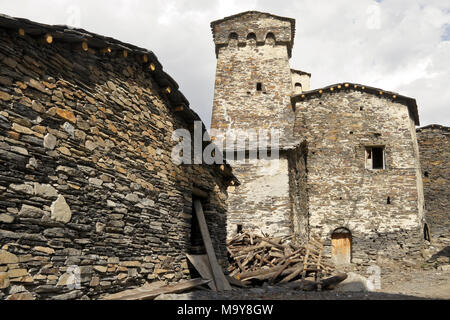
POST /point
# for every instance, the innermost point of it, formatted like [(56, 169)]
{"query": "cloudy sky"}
[(396, 45)]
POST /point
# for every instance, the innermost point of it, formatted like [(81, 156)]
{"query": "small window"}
[(259, 86), (233, 36), (298, 87), (251, 36), (375, 157)]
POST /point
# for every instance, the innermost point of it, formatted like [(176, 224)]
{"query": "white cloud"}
[(392, 44)]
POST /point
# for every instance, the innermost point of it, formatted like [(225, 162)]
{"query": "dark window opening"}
[(375, 158), (270, 36), (377, 161), (388, 200), (259, 86), (239, 228), (426, 174), (251, 36), (360, 108), (197, 245), (426, 232), (233, 36)]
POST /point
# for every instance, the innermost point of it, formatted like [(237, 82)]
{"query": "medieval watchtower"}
[(253, 78), (254, 83)]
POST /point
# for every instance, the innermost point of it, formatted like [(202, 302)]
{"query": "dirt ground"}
[(433, 284), (427, 278), (425, 284)]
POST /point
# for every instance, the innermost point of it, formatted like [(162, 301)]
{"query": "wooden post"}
[(219, 278), (85, 45), (199, 193), (48, 38)]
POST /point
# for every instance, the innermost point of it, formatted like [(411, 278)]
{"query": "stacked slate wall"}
[(434, 147), (343, 193), (87, 183)]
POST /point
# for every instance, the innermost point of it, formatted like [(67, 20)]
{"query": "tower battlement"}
[(253, 77), (253, 26)]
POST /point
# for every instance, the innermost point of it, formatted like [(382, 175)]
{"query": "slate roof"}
[(317, 93)]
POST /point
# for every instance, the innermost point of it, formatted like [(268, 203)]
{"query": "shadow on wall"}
[(443, 253)]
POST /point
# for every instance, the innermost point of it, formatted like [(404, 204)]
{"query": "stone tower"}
[(254, 83), (253, 77)]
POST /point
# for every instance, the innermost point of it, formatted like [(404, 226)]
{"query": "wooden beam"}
[(144, 293), (106, 50), (201, 264), (219, 278), (48, 38), (199, 193), (84, 45)]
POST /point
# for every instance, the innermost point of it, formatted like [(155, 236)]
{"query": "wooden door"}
[(341, 248)]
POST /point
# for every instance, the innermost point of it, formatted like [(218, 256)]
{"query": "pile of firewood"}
[(255, 259)]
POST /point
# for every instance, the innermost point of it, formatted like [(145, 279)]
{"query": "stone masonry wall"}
[(86, 177), (302, 78), (261, 202), (241, 65), (434, 147), (342, 192), (297, 159)]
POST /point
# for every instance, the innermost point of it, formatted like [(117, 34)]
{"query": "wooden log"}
[(149, 294), (84, 45), (235, 282), (285, 265), (330, 283), (259, 272), (199, 193), (292, 275), (48, 38), (219, 278), (201, 264)]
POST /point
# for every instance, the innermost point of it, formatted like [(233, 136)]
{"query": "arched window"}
[(251, 38), (270, 39), (341, 246), (298, 87), (233, 39), (426, 232)]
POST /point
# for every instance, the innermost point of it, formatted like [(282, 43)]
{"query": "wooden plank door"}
[(341, 248)]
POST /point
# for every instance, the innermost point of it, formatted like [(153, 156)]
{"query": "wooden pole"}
[(84, 45), (199, 193), (48, 38), (219, 278)]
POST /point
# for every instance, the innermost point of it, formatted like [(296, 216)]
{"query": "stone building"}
[(88, 188), (347, 167), (434, 147)]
